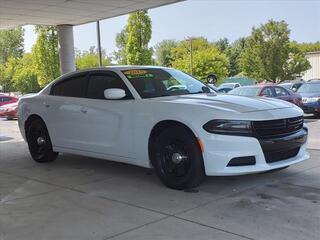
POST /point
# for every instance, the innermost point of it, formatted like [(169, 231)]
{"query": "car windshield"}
[(156, 82), (245, 91), (310, 88), (226, 85)]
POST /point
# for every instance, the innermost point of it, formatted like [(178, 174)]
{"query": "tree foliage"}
[(206, 59), (25, 78), (163, 52), (306, 47), (234, 52), (11, 44), (139, 35), (46, 55), (120, 56), (89, 59), (268, 55)]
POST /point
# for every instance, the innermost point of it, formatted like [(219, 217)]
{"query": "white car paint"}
[(119, 130)]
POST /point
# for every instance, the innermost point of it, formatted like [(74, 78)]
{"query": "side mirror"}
[(294, 89), (114, 93)]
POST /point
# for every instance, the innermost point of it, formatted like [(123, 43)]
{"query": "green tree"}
[(89, 59), (46, 54), (11, 44), (139, 35), (206, 59), (234, 52), (222, 44), (8, 71), (120, 56), (268, 53), (306, 47), (25, 78), (163, 52)]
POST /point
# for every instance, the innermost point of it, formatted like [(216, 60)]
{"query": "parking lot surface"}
[(85, 198)]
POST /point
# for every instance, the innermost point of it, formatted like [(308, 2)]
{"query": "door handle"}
[(84, 110)]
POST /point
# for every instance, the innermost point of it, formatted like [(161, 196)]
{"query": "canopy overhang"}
[(15, 13)]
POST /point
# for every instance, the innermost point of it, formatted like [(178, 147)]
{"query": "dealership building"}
[(314, 71)]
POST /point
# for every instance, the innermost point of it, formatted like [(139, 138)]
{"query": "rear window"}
[(309, 88), (75, 86)]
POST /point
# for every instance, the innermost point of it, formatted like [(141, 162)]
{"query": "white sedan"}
[(162, 118)]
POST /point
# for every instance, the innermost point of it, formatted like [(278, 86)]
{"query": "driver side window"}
[(99, 82), (267, 92)]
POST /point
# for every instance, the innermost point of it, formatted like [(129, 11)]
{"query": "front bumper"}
[(221, 149), (311, 107)]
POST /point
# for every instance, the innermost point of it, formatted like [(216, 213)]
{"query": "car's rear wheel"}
[(39, 142), (177, 158)]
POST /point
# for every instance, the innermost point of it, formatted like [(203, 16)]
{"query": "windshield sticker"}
[(138, 73)]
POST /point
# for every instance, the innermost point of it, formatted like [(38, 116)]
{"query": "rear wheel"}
[(177, 158), (39, 142)]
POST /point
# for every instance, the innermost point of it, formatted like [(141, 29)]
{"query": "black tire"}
[(177, 158), (39, 142)]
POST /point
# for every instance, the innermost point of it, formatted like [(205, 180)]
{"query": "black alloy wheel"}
[(177, 158)]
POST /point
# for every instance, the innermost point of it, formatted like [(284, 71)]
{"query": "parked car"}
[(5, 99), (130, 114), (9, 111), (272, 91), (293, 86), (227, 87), (310, 93)]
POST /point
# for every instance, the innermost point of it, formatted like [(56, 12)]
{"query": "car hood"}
[(227, 102), (310, 94)]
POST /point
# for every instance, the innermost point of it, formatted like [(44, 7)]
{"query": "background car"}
[(6, 99), (310, 93), (226, 87), (294, 86), (272, 91), (9, 111)]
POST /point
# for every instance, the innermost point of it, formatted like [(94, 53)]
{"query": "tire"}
[(177, 158), (39, 142)]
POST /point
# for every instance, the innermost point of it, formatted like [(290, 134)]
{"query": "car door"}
[(63, 111), (106, 125)]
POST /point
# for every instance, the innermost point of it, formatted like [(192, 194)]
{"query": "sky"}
[(213, 19)]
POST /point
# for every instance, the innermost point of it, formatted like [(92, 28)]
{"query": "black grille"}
[(275, 156), (279, 127)]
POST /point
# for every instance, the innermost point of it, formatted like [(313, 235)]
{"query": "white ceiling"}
[(54, 12)]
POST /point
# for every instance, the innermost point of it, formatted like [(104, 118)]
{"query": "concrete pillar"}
[(67, 59)]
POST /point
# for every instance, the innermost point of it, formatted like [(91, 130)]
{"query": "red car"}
[(272, 91), (5, 99), (9, 111)]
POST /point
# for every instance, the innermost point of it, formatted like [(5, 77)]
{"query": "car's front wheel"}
[(39, 142), (177, 158)]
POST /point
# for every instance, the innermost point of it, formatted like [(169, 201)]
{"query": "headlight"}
[(229, 127)]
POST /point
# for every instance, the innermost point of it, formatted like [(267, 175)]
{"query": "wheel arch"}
[(159, 127)]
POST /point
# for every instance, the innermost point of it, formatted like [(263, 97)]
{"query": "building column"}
[(67, 59)]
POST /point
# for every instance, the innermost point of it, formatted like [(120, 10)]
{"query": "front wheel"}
[(39, 142), (177, 158)]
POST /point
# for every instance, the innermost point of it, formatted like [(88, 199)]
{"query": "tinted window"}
[(5, 99), (102, 81), (75, 86), (267, 92), (280, 92)]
